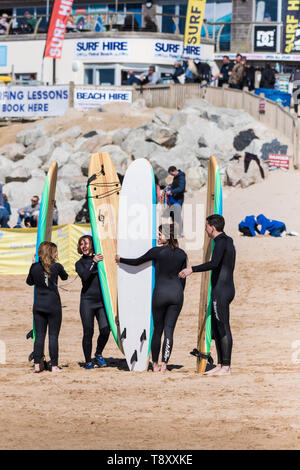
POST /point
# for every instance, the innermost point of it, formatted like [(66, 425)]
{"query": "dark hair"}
[(152, 67), (226, 57), (89, 237), (216, 221), (172, 168), (169, 232)]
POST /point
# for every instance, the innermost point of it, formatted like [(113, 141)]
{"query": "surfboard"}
[(103, 201), (213, 206), (44, 229), (136, 235)]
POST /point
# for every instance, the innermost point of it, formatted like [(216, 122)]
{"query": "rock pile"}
[(185, 139)]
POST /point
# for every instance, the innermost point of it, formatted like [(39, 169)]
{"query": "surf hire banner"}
[(57, 29), (291, 27), (193, 22)]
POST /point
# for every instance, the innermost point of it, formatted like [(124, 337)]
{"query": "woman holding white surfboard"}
[(91, 302), (167, 297)]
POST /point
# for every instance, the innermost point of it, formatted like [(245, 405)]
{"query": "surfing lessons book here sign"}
[(30, 101)]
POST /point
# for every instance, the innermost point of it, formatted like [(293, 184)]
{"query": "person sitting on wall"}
[(131, 79), (151, 77), (179, 70), (30, 214), (130, 24), (150, 26)]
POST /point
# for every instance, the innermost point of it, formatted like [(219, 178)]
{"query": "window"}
[(105, 76), (266, 10)]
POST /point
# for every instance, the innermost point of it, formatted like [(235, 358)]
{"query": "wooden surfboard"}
[(44, 230), (213, 206), (103, 199)]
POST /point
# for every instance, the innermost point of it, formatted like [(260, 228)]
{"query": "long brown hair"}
[(90, 238), (168, 231), (46, 255)]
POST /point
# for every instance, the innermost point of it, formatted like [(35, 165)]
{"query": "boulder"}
[(119, 135), (78, 190), (29, 136), (61, 155), (163, 136), (30, 162), (69, 172), (67, 210), (120, 158), (19, 194), (132, 139), (178, 120), (92, 144), (196, 178), (6, 167), (14, 151), (19, 174), (73, 132), (161, 119), (45, 151)]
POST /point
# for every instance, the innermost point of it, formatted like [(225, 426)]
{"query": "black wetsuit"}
[(222, 265), (167, 297), (91, 306), (46, 309)]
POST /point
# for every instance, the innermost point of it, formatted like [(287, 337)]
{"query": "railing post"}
[(71, 94)]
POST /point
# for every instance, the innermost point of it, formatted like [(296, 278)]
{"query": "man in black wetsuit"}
[(222, 265)]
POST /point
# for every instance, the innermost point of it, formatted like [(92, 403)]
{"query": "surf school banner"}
[(17, 247), (194, 20), (86, 98), (33, 101), (291, 28), (58, 23)]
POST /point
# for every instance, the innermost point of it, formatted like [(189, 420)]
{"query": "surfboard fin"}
[(123, 335), (29, 334), (30, 357), (201, 355), (134, 357), (143, 336)]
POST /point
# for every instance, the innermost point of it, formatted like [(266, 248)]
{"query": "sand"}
[(255, 408)]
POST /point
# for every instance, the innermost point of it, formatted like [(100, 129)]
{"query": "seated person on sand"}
[(30, 214), (248, 226), (274, 227)]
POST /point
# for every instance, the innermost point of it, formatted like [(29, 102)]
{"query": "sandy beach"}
[(255, 408)]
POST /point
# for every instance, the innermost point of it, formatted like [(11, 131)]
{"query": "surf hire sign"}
[(194, 20), (57, 28), (291, 26)]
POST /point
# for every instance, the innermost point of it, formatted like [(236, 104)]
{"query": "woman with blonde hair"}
[(47, 310)]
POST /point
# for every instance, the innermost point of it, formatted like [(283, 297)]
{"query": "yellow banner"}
[(17, 247), (194, 20)]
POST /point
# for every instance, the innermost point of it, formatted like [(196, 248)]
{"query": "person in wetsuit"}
[(222, 266), (167, 297), (47, 310), (91, 302)]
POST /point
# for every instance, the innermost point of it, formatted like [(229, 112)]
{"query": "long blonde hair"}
[(46, 255)]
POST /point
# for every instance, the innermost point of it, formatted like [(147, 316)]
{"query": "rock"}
[(92, 144), (63, 191), (19, 174), (273, 147), (234, 172), (60, 154), (37, 173), (243, 139), (178, 120), (69, 171), (196, 178), (19, 194), (30, 162), (80, 158), (6, 167), (13, 152), (67, 210), (44, 152), (119, 136), (132, 139), (29, 136), (120, 158), (163, 136), (73, 132), (138, 104), (78, 191), (161, 118), (90, 134), (202, 142)]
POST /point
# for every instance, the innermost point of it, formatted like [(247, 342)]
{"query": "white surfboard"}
[(136, 235)]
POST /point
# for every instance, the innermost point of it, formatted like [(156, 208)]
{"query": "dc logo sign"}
[(265, 38)]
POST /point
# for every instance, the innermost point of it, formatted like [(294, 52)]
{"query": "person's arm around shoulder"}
[(61, 272)]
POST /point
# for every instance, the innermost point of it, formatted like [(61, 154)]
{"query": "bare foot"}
[(37, 368), (213, 371), (55, 370), (163, 367), (156, 367), (225, 370)]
